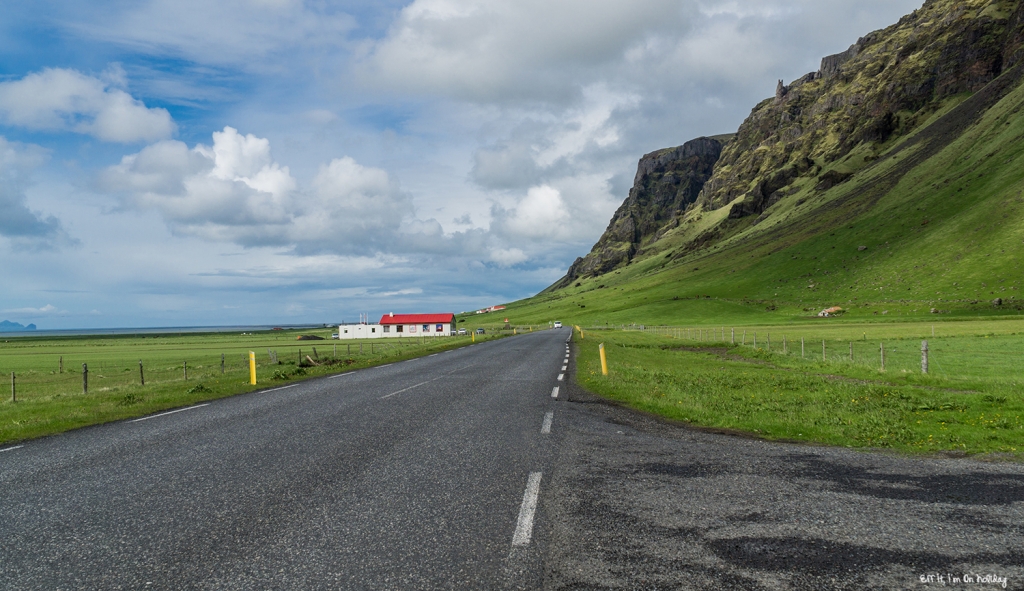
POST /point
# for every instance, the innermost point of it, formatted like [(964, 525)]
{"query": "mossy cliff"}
[(819, 132)]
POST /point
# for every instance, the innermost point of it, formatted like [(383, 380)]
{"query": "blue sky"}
[(185, 162)]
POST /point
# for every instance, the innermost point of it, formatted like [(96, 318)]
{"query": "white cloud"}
[(47, 310), (233, 191), (508, 257), (25, 228), (66, 100), (494, 50)]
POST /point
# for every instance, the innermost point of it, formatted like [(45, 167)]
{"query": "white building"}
[(401, 325)]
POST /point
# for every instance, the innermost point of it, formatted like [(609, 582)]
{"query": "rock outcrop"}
[(666, 183), (881, 88)]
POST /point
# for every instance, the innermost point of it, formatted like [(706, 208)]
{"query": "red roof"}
[(417, 319)]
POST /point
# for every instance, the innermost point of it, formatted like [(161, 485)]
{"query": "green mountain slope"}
[(905, 200)]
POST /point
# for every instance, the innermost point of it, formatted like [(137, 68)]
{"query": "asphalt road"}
[(462, 471), (407, 476)]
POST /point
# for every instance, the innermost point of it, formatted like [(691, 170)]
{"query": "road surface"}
[(482, 468)]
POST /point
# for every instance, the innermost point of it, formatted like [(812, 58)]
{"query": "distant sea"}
[(70, 332)]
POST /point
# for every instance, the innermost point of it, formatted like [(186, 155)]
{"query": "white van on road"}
[(558, 324)]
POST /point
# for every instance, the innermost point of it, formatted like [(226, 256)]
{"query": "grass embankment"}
[(972, 405), (49, 401)]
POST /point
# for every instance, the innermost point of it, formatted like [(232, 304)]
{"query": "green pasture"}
[(50, 401), (970, 402)]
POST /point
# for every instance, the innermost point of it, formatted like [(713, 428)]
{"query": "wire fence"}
[(987, 356)]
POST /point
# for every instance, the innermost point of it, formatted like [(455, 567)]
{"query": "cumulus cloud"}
[(26, 229), (233, 191), (57, 99)]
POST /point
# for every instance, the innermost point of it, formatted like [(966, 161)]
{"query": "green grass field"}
[(970, 402), (51, 401)]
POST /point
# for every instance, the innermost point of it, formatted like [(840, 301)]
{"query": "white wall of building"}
[(376, 331)]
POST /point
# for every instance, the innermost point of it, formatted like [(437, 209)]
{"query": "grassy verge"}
[(777, 396), (50, 401)]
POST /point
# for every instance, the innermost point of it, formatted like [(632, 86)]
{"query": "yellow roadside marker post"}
[(252, 367), (604, 360), (474, 335)]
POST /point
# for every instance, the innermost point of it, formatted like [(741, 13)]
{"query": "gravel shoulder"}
[(637, 503)]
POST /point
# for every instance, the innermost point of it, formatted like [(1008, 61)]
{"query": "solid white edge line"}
[(281, 388), (545, 428), (340, 375), (564, 366), (560, 376), (524, 525), (10, 448), (164, 414), (554, 392)]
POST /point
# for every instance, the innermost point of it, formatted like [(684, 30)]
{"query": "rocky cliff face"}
[(882, 88), (666, 183)]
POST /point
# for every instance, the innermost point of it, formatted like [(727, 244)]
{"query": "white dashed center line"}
[(164, 414), (554, 392), (524, 526), (545, 428)]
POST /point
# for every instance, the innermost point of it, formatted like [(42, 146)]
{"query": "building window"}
[(439, 328), (346, 331), (426, 328), (373, 329), (398, 328), (412, 328), (387, 329)]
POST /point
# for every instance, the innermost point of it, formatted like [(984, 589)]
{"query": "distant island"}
[(8, 326)]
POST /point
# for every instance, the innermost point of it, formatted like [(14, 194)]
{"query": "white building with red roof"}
[(401, 325)]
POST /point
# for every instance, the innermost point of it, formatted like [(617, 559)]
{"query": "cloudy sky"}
[(200, 162)]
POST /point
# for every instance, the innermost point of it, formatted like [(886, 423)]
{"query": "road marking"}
[(431, 355), (164, 414), (524, 526), (545, 428), (281, 388), (385, 365), (409, 388), (560, 376), (554, 392), (10, 448), (340, 375), (564, 366)]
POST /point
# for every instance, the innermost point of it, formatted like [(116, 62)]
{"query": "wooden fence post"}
[(801, 347), (823, 358), (142, 376), (851, 351), (924, 356), (61, 364), (755, 339), (734, 336), (85, 378), (784, 346), (184, 369), (222, 363), (769, 341), (744, 341), (881, 347), (14, 394)]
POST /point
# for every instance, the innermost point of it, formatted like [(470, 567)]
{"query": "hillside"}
[(891, 181)]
